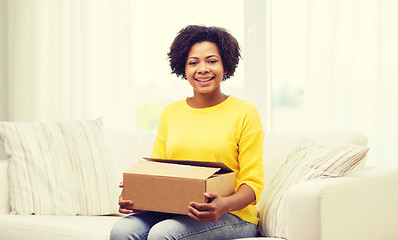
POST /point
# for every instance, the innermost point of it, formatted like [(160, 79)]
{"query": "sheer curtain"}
[(78, 59), (334, 67), (351, 75), (69, 60)]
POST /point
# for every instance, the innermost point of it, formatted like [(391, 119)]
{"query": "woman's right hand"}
[(125, 206)]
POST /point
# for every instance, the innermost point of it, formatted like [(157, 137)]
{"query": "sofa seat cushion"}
[(30, 227)]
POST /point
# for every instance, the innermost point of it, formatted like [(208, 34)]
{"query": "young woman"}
[(207, 126)]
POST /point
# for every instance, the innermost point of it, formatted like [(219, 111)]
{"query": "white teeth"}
[(204, 80)]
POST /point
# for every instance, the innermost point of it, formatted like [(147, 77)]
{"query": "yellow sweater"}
[(230, 132)]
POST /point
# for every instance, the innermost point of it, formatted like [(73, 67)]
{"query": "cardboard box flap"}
[(220, 165), (172, 170)]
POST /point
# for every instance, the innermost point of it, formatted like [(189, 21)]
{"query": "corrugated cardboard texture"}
[(170, 187), (163, 194)]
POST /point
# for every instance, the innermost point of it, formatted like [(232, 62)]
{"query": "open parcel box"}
[(165, 185)]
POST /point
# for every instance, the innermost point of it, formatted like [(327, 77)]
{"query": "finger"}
[(193, 210), (201, 206), (199, 214), (196, 218), (121, 199), (125, 211), (194, 214), (126, 202), (126, 208), (211, 196)]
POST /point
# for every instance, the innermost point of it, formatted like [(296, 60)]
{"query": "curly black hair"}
[(227, 45)]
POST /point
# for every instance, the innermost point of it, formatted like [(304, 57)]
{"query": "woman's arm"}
[(211, 212)]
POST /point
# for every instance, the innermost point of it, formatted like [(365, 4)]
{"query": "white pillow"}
[(309, 161), (59, 168)]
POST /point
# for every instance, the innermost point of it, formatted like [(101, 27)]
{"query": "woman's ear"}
[(225, 76)]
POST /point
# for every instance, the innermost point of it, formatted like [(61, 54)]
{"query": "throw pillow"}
[(59, 168), (307, 162)]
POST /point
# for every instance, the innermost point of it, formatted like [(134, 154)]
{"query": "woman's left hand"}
[(209, 212)]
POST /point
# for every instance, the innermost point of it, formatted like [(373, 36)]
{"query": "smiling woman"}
[(205, 56), (154, 89), (209, 126)]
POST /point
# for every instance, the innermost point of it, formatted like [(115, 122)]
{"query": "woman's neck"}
[(206, 100)]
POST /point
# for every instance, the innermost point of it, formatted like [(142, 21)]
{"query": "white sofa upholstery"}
[(361, 205)]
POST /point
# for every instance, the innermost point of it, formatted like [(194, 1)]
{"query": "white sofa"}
[(360, 206)]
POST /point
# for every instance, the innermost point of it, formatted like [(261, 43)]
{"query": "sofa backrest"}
[(128, 147)]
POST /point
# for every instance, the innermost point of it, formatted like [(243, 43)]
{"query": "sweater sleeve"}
[(159, 147), (251, 154)]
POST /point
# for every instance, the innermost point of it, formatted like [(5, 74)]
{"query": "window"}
[(329, 66)]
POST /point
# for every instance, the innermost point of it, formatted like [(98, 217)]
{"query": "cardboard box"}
[(165, 185)]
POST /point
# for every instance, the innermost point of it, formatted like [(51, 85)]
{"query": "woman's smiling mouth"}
[(204, 79)]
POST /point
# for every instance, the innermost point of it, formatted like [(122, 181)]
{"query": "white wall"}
[(3, 62)]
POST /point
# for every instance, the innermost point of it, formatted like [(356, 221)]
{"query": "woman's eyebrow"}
[(212, 56), (205, 57)]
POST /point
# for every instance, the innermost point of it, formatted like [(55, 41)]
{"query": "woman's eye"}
[(192, 63), (212, 61)]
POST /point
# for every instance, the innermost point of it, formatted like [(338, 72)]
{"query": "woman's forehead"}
[(204, 49)]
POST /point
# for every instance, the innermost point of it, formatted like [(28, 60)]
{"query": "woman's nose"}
[(203, 68)]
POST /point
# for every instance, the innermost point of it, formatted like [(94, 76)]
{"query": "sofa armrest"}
[(362, 205)]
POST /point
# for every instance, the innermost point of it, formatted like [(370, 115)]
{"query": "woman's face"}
[(204, 69)]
